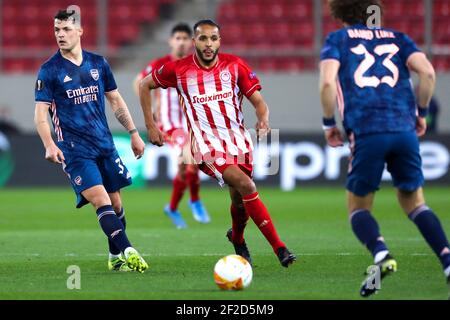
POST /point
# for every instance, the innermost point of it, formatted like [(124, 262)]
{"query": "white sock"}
[(447, 271), (380, 256), (129, 251), (114, 256)]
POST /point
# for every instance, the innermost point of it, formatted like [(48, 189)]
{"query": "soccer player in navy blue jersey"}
[(367, 71), (72, 86)]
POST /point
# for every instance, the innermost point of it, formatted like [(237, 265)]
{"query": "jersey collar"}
[(65, 59), (197, 63)]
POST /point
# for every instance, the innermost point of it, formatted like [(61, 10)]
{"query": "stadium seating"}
[(250, 26), (27, 25)]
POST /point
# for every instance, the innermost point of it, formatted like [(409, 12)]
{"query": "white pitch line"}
[(194, 254)]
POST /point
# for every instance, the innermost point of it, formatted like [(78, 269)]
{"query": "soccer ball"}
[(233, 273)]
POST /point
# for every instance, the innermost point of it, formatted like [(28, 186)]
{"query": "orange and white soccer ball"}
[(233, 273)]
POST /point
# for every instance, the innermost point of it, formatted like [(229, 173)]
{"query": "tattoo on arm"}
[(123, 116)]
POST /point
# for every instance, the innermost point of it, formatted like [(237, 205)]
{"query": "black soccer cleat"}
[(386, 266), (240, 249), (286, 257)]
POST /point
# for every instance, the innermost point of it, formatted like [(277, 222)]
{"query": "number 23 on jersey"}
[(369, 60)]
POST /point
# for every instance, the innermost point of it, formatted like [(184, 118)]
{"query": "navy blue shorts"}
[(85, 173), (371, 152)]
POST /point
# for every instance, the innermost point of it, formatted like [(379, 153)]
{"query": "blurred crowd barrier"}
[(287, 161)]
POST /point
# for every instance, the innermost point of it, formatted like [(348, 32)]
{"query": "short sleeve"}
[(148, 69), (248, 82), (408, 48), (108, 77), (165, 76), (330, 49), (43, 91)]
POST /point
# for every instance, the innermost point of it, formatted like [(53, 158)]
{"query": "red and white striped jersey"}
[(170, 116), (212, 101)]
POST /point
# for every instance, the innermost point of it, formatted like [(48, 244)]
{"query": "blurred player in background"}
[(212, 87), (72, 85), (368, 71), (171, 121)]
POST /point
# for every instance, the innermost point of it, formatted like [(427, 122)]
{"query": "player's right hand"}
[(54, 154), (155, 136), (334, 137), (421, 126), (262, 129)]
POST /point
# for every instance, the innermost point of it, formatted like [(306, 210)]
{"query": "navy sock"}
[(367, 231), (431, 229), (112, 247), (112, 227)]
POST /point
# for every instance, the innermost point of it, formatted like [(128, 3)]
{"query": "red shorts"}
[(216, 168)]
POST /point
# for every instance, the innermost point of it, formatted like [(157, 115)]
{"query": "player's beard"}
[(206, 61)]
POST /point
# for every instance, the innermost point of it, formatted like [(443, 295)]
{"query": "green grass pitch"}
[(41, 234)]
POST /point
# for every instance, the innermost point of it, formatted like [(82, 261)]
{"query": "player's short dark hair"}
[(65, 15), (352, 11), (207, 22), (182, 27)]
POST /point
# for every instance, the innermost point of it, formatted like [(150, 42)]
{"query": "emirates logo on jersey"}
[(217, 96)]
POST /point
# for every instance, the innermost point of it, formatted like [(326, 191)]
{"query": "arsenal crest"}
[(94, 74), (78, 181)]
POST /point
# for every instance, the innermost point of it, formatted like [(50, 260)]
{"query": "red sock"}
[(240, 218), (193, 180), (259, 214), (177, 192)]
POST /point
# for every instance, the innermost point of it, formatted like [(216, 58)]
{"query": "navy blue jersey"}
[(375, 92), (77, 98)]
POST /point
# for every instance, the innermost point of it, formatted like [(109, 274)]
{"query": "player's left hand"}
[(421, 126), (137, 145), (262, 129)]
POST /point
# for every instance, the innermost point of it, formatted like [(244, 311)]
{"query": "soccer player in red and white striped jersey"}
[(211, 87), (172, 123)]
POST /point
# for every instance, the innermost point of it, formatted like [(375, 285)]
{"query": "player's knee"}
[(357, 203), (117, 206), (116, 201), (100, 200), (247, 186), (353, 207), (410, 200)]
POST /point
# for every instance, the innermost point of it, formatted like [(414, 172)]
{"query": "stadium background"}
[(281, 40)]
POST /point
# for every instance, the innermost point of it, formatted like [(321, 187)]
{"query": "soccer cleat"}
[(134, 260), (176, 217), (199, 212), (118, 264), (386, 266), (240, 249), (286, 257)]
